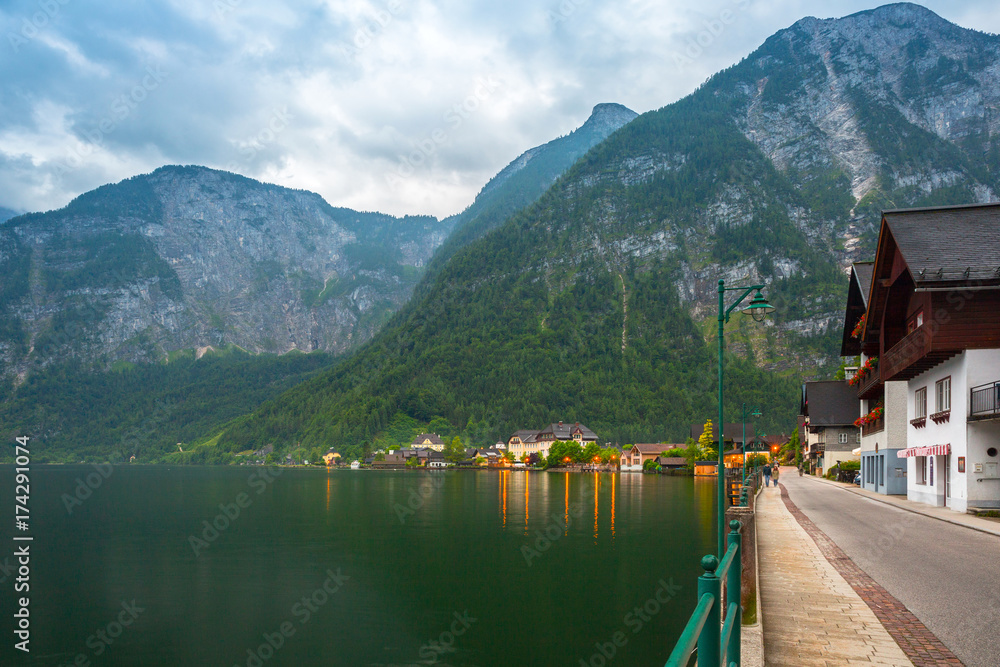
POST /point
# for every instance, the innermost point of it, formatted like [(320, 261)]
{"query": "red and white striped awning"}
[(933, 450)]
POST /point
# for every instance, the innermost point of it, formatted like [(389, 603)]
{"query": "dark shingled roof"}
[(830, 403), (857, 304), (948, 244), (672, 461)]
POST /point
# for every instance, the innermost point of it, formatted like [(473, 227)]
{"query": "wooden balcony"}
[(871, 385), (911, 356), (874, 427)]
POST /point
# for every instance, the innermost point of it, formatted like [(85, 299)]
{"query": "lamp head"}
[(759, 307)]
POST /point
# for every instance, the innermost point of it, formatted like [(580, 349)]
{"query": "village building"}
[(633, 458), (830, 408), (881, 405), (933, 322), (527, 442), (523, 443), (428, 441)]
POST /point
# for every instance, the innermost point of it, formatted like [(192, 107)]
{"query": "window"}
[(921, 462), (843, 438), (915, 322), (943, 391), (857, 437), (920, 403)]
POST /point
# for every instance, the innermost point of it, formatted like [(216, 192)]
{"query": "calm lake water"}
[(355, 567)]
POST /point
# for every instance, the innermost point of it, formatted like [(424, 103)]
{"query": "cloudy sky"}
[(400, 106)]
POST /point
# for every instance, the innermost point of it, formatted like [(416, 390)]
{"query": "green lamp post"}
[(745, 413), (758, 309)]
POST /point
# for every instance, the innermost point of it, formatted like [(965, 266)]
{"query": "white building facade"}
[(952, 455)]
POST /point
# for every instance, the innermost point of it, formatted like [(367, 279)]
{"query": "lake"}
[(257, 566)]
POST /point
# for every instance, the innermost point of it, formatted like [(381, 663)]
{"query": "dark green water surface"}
[(358, 567)]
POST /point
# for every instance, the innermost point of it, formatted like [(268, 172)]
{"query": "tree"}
[(796, 446), (508, 456), (557, 452), (609, 455), (480, 460), (590, 452), (455, 451), (674, 452), (691, 453), (441, 426), (707, 444), (756, 460)]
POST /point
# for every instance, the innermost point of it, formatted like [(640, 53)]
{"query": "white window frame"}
[(921, 462), (942, 395), (843, 438), (920, 403)]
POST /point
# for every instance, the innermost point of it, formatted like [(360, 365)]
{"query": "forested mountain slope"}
[(597, 303)]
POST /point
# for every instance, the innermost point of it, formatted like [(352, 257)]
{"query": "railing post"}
[(708, 641), (734, 593)]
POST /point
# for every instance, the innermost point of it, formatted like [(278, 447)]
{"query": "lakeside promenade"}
[(820, 608), (811, 615)]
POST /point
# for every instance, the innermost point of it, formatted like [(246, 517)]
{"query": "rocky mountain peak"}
[(608, 117)]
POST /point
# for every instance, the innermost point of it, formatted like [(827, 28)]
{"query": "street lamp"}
[(753, 412), (758, 308)]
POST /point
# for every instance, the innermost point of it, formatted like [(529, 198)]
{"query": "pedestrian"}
[(774, 473), (767, 474)]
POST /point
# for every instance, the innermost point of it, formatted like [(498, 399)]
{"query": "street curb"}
[(915, 510)]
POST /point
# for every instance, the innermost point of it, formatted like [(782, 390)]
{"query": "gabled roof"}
[(671, 460), (525, 435), (944, 247), (652, 448), (948, 244), (427, 439), (857, 304), (563, 431), (830, 403)]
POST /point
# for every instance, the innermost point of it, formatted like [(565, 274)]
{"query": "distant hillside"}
[(7, 213), (597, 302), (189, 257)]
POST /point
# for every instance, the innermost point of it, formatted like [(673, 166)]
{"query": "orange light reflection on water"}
[(504, 479), (597, 485), (614, 478), (566, 516)]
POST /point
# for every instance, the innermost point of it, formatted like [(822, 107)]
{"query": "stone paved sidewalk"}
[(919, 644), (811, 614)]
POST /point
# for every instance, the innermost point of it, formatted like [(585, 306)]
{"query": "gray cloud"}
[(334, 96)]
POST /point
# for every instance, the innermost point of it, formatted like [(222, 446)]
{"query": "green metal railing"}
[(717, 641)]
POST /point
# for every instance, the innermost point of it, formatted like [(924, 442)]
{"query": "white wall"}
[(967, 439)]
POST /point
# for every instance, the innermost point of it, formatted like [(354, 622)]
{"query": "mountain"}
[(78, 410), (7, 213), (597, 302), (192, 258)]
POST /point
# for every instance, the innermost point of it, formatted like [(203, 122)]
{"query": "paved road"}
[(947, 575)]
